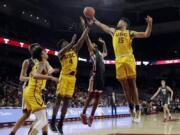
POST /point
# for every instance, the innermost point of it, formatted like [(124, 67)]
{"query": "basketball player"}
[(125, 62), (32, 94), (164, 89), (24, 77), (68, 56), (96, 81)]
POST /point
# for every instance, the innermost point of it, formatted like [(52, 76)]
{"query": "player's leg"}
[(169, 113), (164, 111), (41, 122), (90, 96), (112, 109), (135, 96), (66, 92), (55, 111), (121, 76), (87, 102), (125, 87), (130, 67), (66, 101), (95, 104), (20, 122), (45, 130), (31, 127), (115, 109), (168, 110)]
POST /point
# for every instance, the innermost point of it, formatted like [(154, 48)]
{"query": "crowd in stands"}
[(11, 93)]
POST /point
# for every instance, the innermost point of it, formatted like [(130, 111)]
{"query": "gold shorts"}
[(125, 67), (33, 100), (66, 85)]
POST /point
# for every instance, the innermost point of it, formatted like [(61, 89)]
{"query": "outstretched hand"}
[(149, 19)]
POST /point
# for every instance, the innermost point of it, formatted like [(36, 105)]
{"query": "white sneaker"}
[(137, 118)]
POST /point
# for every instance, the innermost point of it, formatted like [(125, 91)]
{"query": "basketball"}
[(89, 12)]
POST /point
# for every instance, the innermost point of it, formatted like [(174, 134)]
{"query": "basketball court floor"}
[(150, 125)]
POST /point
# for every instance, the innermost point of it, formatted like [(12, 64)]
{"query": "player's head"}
[(31, 46), (123, 23), (163, 83), (62, 43), (39, 53)]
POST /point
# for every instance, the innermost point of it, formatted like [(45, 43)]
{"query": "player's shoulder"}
[(40, 63), (26, 61), (167, 86)]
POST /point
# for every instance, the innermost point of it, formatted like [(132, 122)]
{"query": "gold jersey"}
[(36, 85), (122, 42), (69, 62)]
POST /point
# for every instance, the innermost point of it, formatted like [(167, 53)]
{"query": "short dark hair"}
[(60, 43), (126, 20), (36, 53), (32, 46)]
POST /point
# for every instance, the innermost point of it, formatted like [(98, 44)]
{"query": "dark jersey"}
[(98, 63), (98, 69), (164, 93)]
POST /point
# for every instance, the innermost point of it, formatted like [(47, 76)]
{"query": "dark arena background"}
[(23, 22)]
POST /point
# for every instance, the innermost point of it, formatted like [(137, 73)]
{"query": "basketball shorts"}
[(165, 100), (125, 67), (33, 100), (66, 85)]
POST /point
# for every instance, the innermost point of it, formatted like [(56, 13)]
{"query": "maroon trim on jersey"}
[(41, 104)]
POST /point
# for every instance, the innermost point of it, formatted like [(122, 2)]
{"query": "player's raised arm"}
[(157, 92), (67, 47), (88, 40), (105, 28), (80, 42), (104, 53), (38, 74), (23, 75), (145, 34), (172, 93)]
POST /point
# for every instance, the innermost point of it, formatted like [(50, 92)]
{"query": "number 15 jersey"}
[(122, 42), (69, 62)]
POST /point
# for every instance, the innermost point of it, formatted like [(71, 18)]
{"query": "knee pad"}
[(41, 120)]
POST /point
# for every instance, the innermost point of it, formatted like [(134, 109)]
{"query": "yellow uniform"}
[(67, 79), (32, 94), (125, 61)]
